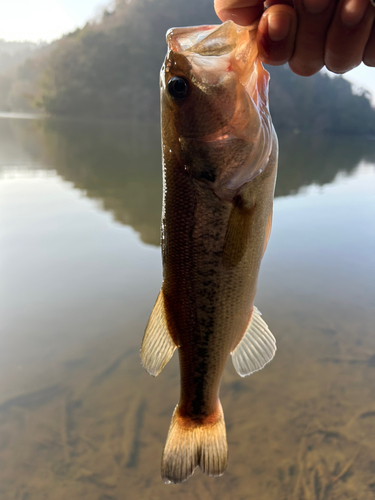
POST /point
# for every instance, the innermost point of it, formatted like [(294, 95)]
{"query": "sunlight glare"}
[(34, 21)]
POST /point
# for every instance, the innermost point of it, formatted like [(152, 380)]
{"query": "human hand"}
[(309, 34)]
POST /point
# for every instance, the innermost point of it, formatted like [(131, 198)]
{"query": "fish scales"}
[(220, 163)]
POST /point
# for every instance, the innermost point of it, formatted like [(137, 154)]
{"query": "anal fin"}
[(257, 347), (157, 345)]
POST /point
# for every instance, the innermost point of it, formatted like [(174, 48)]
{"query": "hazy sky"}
[(49, 19)]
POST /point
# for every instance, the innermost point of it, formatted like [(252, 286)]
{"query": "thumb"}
[(243, 12)]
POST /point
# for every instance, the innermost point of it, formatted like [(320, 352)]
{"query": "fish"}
[(220, 153)]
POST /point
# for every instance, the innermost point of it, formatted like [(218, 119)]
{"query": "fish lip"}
[(174, 33)]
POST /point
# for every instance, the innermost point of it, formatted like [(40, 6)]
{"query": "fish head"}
[(214, 96)]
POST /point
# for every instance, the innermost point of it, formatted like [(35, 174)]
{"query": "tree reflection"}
[(119, 164), (316, 159)]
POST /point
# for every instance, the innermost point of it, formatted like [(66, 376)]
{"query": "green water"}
[(80, 268)]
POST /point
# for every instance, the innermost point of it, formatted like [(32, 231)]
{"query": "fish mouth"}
[(215, 50)]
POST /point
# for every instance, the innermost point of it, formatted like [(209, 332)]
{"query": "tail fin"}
[(190, 445)]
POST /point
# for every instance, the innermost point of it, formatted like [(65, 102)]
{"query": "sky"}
[(50, 19), (37, 20)]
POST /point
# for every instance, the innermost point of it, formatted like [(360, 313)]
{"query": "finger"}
[(269, 3), (243, 12), (348, 35), (276, 34), (314, 17), (369, 53)]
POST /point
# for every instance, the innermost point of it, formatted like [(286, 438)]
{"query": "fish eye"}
[(178, 88)]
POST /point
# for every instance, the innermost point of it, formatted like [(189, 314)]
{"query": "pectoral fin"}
[(268, 230), (238, 234), (257, 347), (157, 345)]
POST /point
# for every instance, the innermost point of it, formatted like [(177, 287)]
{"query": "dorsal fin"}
[(257, 347), (157, 345)]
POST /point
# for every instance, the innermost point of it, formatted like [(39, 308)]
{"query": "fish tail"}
[(192, 443)]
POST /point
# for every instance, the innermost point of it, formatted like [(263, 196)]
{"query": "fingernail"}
[(353, 11), (278, 26), (316, 6)]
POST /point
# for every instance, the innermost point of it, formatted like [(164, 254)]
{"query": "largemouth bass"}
[(219, 163)]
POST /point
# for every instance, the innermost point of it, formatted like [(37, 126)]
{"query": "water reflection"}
[(119, 164), (80, 418), (308, 159)]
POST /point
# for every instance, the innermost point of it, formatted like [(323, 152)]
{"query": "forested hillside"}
[(12, 56), (109, 69)]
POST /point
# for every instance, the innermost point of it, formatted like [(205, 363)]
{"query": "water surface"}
[(80, 269)]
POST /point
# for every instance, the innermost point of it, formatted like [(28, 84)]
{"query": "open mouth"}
[(214, 50)]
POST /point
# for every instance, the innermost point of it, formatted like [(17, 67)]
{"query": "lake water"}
[(80, 269)]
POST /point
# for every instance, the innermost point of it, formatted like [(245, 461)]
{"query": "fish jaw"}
[(224, 118)]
